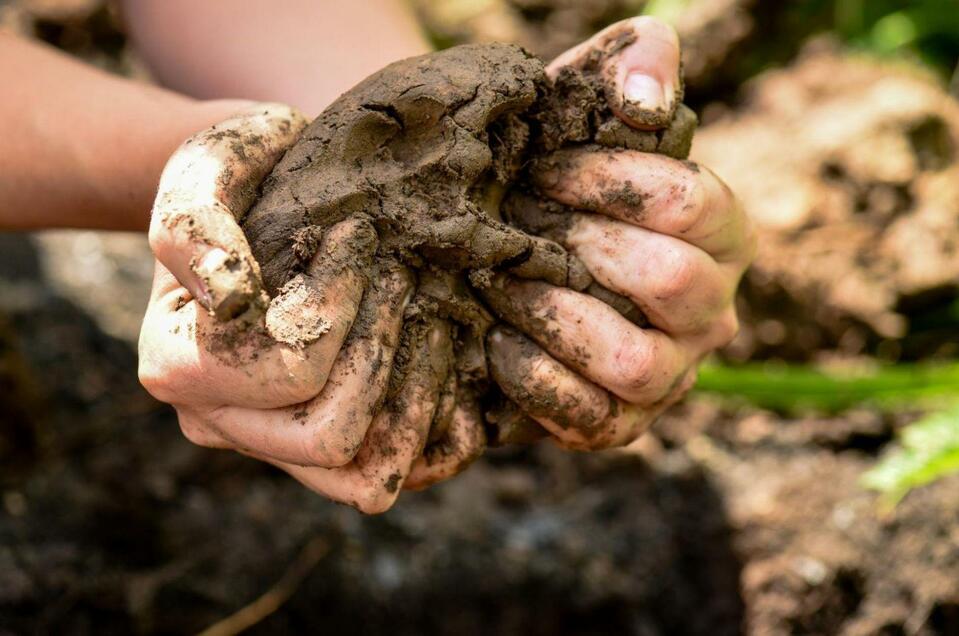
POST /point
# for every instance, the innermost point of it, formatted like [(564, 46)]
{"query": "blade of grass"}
[(788, 388)]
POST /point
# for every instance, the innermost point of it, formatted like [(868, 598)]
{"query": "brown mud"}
[(425, 151)]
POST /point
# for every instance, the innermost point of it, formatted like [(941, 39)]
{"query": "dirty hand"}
[(297, 380), (666, 234)]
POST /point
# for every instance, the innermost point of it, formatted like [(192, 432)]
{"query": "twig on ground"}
[(274, 598)]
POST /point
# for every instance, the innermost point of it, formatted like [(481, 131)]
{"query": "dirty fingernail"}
[(198, 289), (645, 91)]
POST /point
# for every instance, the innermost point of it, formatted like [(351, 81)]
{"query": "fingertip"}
[(644, 86)]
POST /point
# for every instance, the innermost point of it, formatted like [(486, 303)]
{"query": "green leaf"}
[(666, 10), (929, 450), (894, 32)]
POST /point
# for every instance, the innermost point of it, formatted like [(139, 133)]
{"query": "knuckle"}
[(303, 379), (674, 277), (635, 363), (197, 434), (376, 499), (158, 236), (693, 203), (165, 223), (725, 329), (332, 449), (156, 379), (600, 438), (295, 391)]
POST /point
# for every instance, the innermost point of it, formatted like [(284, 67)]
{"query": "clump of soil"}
[(857, 218), (424, 151)]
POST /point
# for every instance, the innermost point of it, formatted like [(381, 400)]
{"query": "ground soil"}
[(723, 521), (112, 523)]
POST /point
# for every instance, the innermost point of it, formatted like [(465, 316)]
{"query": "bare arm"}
[(301, 52), (82, 148)]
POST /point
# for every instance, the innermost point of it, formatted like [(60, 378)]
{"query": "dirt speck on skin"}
[(427, 150)]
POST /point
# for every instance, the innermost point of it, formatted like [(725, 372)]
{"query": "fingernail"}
[(198, 290), (645, 91), (205, 268)]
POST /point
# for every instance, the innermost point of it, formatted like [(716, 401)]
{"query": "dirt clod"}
[(426, 151)]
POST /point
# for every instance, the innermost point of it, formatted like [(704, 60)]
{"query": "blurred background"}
[(806, 487)]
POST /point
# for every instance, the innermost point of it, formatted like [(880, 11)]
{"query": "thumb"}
[(639, 62), (206, 187)]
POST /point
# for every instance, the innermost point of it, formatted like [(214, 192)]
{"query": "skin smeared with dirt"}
[(431, 152)]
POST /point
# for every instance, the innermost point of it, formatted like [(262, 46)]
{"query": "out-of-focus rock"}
[(90, 30), (710, 31), (849, 168), (545, 27)]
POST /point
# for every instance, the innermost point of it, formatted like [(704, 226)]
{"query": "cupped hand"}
[(668, 235), (300, 380)]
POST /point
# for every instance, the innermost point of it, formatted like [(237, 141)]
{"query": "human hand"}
[(299, 380), (666, 234)]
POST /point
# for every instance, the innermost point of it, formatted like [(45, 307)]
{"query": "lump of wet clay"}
[(426, 150)]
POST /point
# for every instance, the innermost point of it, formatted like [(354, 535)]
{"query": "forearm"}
[(82, 148), (301, 52)]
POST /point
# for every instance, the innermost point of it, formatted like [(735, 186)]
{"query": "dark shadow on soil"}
[(112, 523)]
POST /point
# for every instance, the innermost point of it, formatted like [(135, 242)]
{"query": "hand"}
[(666, 234), (298, 380)]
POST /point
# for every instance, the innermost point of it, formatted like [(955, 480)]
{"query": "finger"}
[(196, 430), (664, 195), (188, 356), (206, 187), (640, 65), (679, 287), (641, 366), (372, 481), (463, 442), (329, 429), (579, 414)]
